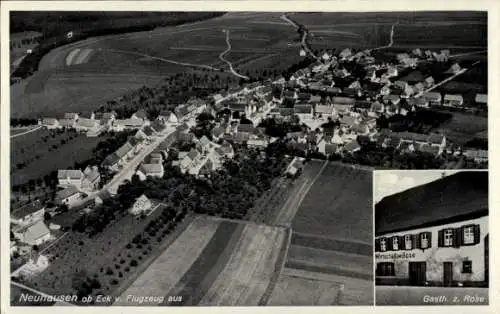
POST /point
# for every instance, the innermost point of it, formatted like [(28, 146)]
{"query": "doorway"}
[(417, 273), (447, 274)]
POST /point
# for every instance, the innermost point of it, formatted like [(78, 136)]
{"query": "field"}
[(85, 74), (329, 209), (464, 127), (214, 262), (106, 257), (390, 295), (36, 154)]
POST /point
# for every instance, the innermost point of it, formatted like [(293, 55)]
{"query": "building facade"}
[(435, 234)]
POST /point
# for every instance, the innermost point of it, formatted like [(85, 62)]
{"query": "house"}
[(50, 123), (112, 162), (91, 178), (315, 99), (352, 146), (429, 149), (401, 85), (437, 140), (478, 155), (333, 91), (226, 150), (421, 102), (392, 71), (345, 53), (303, 111), (245, 128), (348, 121), (84, 124), (69, 196), (454, 69), (295, 168), (168, 117), (34, 234), (123, 124), (434, 98), (481, 100), (418, 88), (189, 159), (157, 126), (140, 114), (125, 151), (150, 170), (205, 143), (343, 104), (429, 82), (392, 99), (304, 97), (142, 205), (259, 143), (324, 110), (71, 116), (70, 177), (435, 234), (181, 113), (453, 100), (27, 214), (377, 107), (67, 123)]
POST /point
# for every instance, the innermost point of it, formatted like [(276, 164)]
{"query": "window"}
[(383, 245), (448, 237), (467, 267), (395, 243), (469, 235), (424, 241), (408, 242), (385, 269)]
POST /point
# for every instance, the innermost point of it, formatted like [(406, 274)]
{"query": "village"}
[(324, 111)]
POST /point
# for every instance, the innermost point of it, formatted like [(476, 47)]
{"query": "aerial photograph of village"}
[(226, 158)]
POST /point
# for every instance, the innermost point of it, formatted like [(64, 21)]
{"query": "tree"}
[(47, 216)]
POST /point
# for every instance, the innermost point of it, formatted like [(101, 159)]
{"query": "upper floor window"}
[(469, 235), (408, 245), (424, 240), (383, 245), (448, 237), (395, 243)]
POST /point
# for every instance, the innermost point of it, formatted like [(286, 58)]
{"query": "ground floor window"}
[(385, 269), (467, 267)]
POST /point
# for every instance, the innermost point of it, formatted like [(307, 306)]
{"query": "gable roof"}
[(111, 160), (141, 114), (453, 97), (302, 109), (151, 168), (67, 192), (35, 231), (193, 153), (343, 100), (25, 210), (204, 141), (123, 150), (71, 173), (481, 98), (248, 128), (451, 198)]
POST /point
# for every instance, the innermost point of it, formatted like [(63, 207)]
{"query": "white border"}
[(491, 6)]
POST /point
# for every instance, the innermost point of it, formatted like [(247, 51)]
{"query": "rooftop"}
[(453, 198)]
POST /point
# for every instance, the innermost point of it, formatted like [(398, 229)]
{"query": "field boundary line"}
[(329, 251), (280, 264)]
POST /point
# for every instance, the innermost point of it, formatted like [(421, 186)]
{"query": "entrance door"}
[(417, 273), (447, 274)]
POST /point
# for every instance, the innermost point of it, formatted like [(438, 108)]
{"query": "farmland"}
[(464, 127), (36, 154), (216, 262), (87, 73), (109, 257)]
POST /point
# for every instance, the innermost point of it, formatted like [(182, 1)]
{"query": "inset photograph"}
[(431, 237)]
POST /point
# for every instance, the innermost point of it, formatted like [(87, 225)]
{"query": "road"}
[(462, 71), (222, 54), (27, 132), (305, 33)]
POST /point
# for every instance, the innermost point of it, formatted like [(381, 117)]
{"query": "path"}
[(462, 71), (27, 132), (203, 66), (222, 54), (391, 39), (305, 32), (292, 205)]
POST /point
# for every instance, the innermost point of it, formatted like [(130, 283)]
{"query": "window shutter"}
[(440, 238), (429, 239), (377, 245), (388, 244), (456, 237), (417, 241), (477, 234)]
